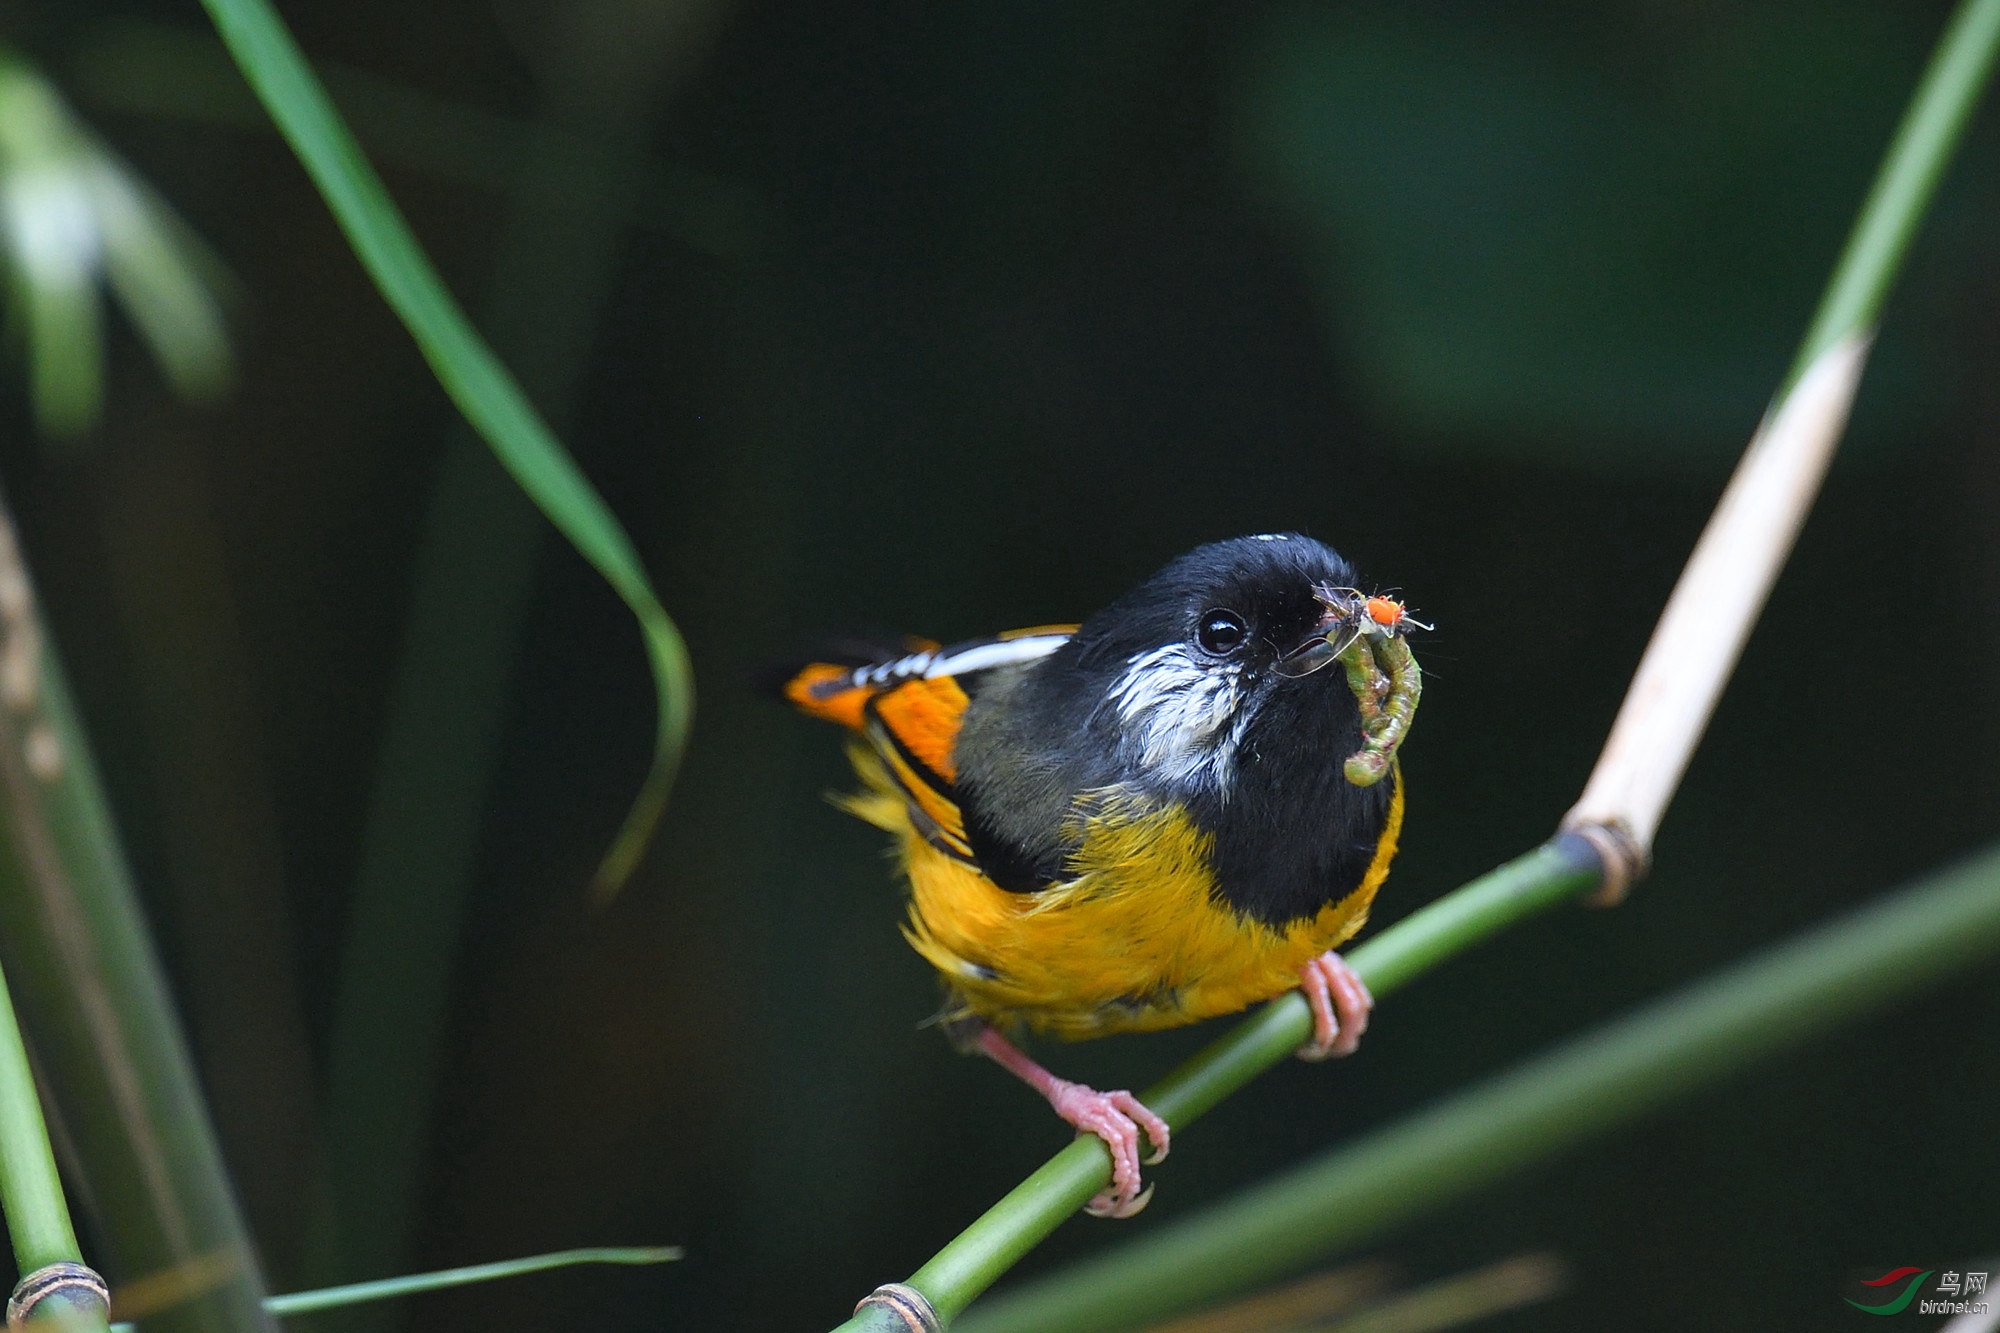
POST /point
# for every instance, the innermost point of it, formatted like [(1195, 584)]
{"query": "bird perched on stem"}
[(1167, 813)]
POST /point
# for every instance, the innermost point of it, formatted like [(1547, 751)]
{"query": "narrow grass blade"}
[(329, 1298), (553, 271), (472, 375), (333, 1298)]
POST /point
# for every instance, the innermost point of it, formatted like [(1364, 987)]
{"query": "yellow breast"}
[(1138, 940)]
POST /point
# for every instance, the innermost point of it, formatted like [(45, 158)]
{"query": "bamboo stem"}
[(57, 1290), (31, 1195), (1593, 1084), (1715, 605), (1922, 148), (1722, 590)]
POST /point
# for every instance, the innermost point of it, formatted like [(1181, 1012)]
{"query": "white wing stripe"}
[(986, 655)]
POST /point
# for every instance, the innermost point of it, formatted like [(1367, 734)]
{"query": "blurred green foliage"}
[(1536, 230), (74, 220)]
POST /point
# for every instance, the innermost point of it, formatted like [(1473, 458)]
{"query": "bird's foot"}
[(1340, 1004), (1118, 1118)]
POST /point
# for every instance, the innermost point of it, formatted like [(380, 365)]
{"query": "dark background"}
[(950, 318)]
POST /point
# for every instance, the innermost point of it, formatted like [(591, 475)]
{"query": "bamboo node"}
[(76, 1285), (1623, 858), (907, 1304)]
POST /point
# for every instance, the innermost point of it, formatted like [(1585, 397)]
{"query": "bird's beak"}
[(1329, 639)]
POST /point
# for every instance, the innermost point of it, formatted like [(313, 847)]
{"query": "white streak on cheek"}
[(1173, 709)]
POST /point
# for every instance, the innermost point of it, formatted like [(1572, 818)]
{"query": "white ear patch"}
[(1181, 715)]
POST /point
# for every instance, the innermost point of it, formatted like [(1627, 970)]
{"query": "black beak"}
[(1330, 638)]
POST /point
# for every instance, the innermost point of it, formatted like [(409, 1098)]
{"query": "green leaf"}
[(474, 377), (389, 1288), (328, 1298)]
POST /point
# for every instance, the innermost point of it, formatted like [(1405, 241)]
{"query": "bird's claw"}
[(1118, 1118), (1104, 1205), (1340, 1003)]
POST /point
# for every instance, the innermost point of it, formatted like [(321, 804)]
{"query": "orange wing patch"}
[(912, 728), (828, 691), (840, 693), (909, 709), (933, 814), (923, 716)]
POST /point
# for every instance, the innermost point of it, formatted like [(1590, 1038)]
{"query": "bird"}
[(1166, 813)]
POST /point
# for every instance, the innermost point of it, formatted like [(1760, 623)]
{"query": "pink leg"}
[(1115, 1117), (1340, 1005)]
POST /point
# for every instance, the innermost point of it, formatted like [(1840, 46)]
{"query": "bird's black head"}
[(1198, 699), (1185, 663), (1231, 606), (1180, 693)]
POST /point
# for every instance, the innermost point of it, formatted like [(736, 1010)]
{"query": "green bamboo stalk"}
[(1923, 147), (1824, 978), (472, 375), (92, 998), (1722, 589), (1904, 187), (31, 1194)]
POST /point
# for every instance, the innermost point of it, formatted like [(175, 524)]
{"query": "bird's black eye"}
[(1221, 630)]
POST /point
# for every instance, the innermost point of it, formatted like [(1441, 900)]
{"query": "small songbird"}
[(1167, 813)]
